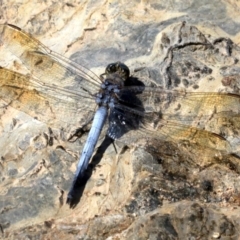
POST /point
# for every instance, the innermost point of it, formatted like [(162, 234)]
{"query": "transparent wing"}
[(162, 115), (47, 65), (61, 108), (177, 105)]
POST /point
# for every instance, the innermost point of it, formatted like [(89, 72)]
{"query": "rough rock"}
[(176, 192)]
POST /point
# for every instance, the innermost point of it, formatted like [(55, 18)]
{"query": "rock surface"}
[(174, 193)]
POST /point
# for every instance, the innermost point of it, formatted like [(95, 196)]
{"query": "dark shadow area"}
[(128, 112), (75, 194)]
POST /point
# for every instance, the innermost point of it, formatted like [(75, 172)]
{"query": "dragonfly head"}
[(120, 68)]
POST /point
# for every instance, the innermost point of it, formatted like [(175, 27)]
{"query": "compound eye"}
[(111, 68), (123, 70), (119, 68)]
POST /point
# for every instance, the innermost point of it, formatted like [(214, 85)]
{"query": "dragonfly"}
[(136, 112)]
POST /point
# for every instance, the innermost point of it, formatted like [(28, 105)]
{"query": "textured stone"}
[(176, 192)]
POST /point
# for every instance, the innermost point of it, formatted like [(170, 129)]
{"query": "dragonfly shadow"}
[(120, 122), (81, 182), (122, 118)]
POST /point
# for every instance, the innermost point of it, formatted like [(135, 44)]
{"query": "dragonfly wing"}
[(46, 65), (149, 132), (185, 107), (154, 116), (62, 110)]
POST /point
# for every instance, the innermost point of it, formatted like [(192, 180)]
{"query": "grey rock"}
[(173, 192)]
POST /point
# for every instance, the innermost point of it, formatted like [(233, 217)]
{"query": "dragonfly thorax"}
[(116, 74), (109, 88)]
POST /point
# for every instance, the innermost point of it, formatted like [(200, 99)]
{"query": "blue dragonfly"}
[(134, 111)]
